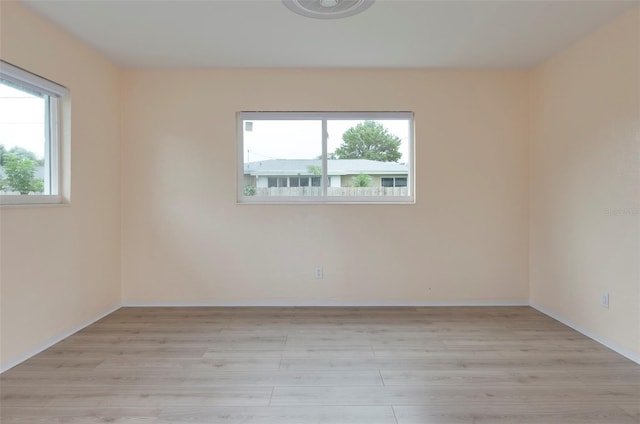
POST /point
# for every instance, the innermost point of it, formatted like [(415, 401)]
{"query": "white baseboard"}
[(12, 363), (602, 340), (319, 303)]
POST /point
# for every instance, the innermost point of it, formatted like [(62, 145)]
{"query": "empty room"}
[(319, 211)]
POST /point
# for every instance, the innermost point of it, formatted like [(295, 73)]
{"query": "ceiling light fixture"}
[(327, 9), (328, 3)]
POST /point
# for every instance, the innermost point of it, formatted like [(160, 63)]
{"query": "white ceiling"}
[(392, 33)]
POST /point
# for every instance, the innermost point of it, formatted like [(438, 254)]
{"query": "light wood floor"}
[(324, 365)]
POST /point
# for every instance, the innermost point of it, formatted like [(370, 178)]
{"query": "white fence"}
[(333, 191)]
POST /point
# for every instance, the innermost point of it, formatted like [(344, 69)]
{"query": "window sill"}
[(17, 201), (324, 201)]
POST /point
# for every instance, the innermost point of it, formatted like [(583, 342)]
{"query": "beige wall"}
[(61, 265), (585, 184), (186, 240)]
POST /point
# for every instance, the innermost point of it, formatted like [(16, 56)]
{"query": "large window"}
[(29, 137), (325, 157)]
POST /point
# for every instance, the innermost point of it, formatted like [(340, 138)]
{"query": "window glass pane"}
[(363, 153), (367, 156), (289, 149), (23, 141)]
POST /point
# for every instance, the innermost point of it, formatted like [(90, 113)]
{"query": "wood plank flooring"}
[(324, 365)]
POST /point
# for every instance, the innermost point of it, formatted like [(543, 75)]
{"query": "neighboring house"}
[(307, 173)]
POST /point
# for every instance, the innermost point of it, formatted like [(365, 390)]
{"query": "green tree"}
[(314, 170), (20, 172), (361, 180), (369, 140), (19, 152)]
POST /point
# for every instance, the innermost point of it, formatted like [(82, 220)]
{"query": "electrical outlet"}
[(319, 273), (604, 299)]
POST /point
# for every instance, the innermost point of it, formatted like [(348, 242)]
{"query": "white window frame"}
[(324, 117), (53, 93)]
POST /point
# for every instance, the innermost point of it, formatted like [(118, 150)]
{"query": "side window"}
[(29, 137)]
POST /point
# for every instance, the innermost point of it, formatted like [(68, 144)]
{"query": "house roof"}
[(335, 167)]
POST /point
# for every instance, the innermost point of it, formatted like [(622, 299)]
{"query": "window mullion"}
[(325, 162), (47, 146)]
